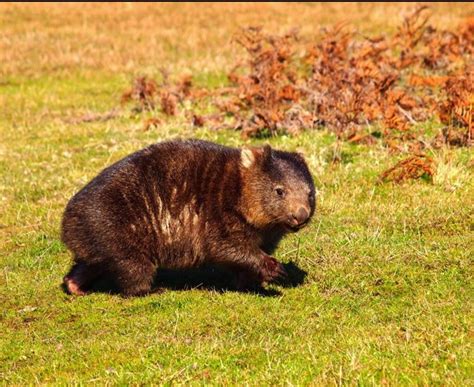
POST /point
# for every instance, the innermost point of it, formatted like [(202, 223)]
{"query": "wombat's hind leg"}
[(80, 277), (134, 278)]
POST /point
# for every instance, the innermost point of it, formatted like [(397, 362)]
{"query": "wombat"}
[(183, 203)]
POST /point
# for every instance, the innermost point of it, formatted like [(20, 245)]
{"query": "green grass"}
[(387, 298)]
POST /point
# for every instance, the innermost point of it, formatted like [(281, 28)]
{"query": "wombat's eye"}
[(279, 191)]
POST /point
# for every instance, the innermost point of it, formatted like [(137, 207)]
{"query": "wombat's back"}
[(155, 203)]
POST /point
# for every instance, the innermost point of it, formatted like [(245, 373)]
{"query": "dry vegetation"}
[(344, 81), (49, 38)]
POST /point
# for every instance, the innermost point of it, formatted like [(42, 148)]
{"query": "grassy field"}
[(387, 298)]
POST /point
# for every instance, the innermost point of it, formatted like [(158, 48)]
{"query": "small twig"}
[(298, 250), (92, 117), (406, 114)]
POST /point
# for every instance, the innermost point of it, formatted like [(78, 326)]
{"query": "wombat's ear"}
[(250, 156), (300, 156), (247, 157)]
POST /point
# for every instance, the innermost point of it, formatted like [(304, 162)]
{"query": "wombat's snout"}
[(299, 217)]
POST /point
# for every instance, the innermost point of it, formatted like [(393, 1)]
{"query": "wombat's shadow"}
[(209, 277), (220, 279)]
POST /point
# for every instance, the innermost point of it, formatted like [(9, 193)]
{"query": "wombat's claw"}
[(273, 270), (282, 273), (72, 287)]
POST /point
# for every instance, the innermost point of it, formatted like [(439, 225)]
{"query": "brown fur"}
[(180, 204)]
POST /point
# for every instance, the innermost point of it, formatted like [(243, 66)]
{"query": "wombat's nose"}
[(301, 215)]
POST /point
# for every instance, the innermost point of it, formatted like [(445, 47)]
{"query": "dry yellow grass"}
[(43, 38)]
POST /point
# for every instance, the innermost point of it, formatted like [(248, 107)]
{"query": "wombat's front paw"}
[(272, 270), (247, 281)]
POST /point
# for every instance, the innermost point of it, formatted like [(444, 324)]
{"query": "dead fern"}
[(413, 167)]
